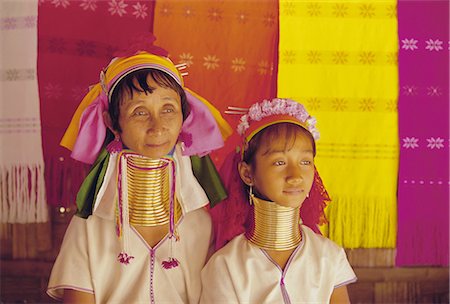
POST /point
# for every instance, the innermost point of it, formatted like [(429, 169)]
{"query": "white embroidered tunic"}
[(88, 257), (241, 272)]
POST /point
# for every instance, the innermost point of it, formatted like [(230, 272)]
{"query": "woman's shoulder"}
[(196, 220), (90, 226), (199, 215)]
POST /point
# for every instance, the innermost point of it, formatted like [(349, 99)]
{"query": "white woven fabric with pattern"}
[(22, 186)]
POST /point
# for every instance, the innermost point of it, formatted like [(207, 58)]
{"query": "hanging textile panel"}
[(71, 54), (230, 49), (340, 59), (423, 194), (22, 185)]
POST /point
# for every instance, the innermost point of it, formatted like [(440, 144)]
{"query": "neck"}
[(274, 227), (150, 185)]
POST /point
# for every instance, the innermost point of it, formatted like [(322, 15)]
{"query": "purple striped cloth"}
[(423, 192)]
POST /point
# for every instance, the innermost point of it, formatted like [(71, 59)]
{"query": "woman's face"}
[(284, 173), (151, 123)]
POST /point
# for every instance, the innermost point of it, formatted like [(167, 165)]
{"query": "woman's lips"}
[(156, 145)]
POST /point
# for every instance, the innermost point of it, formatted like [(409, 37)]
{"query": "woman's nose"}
[(154, 124)]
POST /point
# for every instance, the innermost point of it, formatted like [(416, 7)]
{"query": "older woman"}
[(141, 234)]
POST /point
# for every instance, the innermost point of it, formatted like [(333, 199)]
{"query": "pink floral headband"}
[(268, 112)]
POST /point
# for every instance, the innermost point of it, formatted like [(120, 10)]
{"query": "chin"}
[(294, 204), (153, 153)]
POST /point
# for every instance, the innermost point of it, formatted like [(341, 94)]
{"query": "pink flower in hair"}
[(243, 124), (312, 120), (292, 107), (255, 112), (267, 107), (278, 106)]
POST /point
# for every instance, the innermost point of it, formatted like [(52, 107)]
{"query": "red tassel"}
[(115, 146), (171, 263), (124, 258)]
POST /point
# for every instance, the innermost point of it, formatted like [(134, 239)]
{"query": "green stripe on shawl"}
[(206, 174), (91, 185)]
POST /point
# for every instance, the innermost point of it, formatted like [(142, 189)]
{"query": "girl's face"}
[(151, 123), (282, 172)]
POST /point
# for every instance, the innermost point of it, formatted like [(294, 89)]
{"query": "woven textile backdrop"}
[(22, 185), (332, 59), (230, 48), (339, 58), (423, 237), (71, 54)]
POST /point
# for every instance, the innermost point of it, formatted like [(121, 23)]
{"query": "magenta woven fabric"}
[(76, 40), (423, 193)]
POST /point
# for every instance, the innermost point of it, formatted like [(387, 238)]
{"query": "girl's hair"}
[(272, 133), (128, 84)]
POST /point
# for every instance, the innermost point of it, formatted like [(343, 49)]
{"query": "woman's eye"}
[(168, 110), (139, 113), (279, 163)]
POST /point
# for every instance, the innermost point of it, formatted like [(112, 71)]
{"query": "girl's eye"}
[(306, 162), (279, 163)]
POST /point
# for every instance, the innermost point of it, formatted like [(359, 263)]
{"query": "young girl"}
[(141, 234), (275, 258)]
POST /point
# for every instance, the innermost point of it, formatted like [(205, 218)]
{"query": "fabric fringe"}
[(63, 177), (362, 222), (417, 241), (23, 198)]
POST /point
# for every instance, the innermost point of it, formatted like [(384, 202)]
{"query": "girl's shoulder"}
[(233, 250), (315, 241)]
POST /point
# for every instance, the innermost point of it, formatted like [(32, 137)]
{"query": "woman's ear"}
[(245, 171), (108, 123)]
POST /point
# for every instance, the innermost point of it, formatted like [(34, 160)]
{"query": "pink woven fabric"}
[(70, 55), (423, 192)]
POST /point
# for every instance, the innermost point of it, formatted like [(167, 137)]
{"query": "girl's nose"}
[(294, 175)]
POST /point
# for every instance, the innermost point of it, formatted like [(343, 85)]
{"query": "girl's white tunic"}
[(241, 272)]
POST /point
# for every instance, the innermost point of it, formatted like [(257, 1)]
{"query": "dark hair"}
[(271, 133), (128, 84)]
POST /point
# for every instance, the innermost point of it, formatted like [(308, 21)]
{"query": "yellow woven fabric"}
[(339, 58)]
